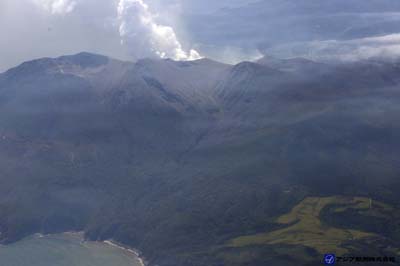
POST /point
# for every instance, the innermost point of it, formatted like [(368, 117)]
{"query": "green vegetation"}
[(130, 152), (304, 226)]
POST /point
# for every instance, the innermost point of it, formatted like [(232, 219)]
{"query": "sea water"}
[(64, 250)]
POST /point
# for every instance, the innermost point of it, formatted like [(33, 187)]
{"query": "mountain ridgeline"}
[(179, 158)]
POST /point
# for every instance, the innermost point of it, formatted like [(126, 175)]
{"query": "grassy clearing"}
[(304, 226)]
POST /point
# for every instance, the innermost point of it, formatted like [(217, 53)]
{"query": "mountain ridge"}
[(179, 158)]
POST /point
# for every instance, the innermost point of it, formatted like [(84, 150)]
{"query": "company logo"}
[(329, 259)]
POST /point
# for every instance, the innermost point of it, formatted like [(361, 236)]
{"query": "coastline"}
[(80, 236), (116, 244), (110, 242)]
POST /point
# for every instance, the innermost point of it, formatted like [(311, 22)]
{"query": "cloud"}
[(183, 29), (140, 31), (231, 54), (385, 47), (56, 6), (29, 31)]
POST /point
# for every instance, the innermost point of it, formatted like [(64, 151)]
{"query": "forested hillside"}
[(196, 163)]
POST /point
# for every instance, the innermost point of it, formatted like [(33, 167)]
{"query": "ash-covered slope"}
[(72, 126), (177, 158)]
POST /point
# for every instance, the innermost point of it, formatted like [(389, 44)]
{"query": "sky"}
[(224, 30)]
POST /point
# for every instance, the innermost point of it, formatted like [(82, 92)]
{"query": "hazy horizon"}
[(226, 31)]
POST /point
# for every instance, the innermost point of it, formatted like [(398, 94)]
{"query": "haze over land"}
[(183, 159)]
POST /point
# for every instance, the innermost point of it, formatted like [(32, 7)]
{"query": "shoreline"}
[(116, 244), (70, 233), (110, 242)]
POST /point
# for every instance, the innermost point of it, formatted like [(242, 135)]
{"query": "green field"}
[(304, 226)]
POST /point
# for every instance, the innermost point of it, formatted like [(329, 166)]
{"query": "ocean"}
[(64, 250)]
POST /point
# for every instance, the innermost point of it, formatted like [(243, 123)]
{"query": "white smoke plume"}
[(139, 30), (59, 7)]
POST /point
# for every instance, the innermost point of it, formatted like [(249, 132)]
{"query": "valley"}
[(202, 163)]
